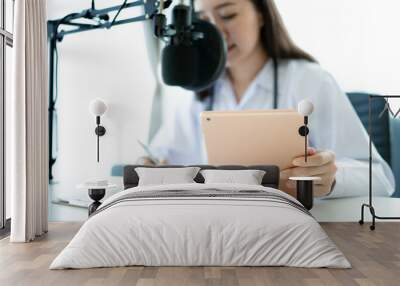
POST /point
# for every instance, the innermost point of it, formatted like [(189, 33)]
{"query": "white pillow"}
[(163, 176), (248, 177)]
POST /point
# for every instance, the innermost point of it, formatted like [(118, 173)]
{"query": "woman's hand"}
[(319, 164)]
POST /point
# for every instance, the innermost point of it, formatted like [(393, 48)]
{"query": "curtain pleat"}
[(29, 162)]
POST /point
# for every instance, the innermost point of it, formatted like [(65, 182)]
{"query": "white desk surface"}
[(333, 210), (349, 209)]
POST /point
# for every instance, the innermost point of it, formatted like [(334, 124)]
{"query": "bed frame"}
[(270, 179)]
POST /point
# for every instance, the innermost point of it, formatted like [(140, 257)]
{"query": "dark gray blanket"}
[(206, 194)]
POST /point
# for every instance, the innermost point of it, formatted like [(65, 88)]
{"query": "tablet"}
[(252, 137)]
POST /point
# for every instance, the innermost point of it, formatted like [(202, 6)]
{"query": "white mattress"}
[(200, 231)]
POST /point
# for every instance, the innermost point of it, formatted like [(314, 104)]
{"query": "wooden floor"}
[(375, 257)]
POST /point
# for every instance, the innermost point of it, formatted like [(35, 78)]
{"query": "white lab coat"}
[(334, 124)]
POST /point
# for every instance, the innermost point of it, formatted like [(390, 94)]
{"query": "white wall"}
[(112, 65), (356, 40)]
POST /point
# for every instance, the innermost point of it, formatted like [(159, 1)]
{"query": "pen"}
[(148, 152)]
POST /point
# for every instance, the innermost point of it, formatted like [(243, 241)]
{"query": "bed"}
[(198, 224)]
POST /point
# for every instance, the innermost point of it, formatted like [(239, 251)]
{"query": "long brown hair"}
[(274, 37)]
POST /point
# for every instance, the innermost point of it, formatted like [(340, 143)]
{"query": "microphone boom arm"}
[(73, 24), (151, 8), (182, 31)]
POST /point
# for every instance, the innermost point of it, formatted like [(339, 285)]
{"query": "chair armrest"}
[(395, 151), (117, 170)]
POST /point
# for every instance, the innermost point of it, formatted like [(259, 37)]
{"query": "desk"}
[(349, 209), (333, 210)]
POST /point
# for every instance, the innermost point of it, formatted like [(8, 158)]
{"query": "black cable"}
[(63, 19), (55, 115), (119, 11), (275, 62), (210, 104), (56, 75), (192, 7), (53, 119)]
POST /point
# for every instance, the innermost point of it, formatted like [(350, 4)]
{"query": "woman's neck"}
[(242, 74)]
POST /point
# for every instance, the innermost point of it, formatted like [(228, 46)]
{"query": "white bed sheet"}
[(193, 231)]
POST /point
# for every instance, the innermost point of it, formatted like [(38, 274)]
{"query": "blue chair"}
[(386, 130), (117, 170)]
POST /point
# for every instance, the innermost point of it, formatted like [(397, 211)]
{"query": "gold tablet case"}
[(252, 137)]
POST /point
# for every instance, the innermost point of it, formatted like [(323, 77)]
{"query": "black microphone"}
[(195, 54), (179, 58)]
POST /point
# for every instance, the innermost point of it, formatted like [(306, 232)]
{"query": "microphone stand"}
[(77, 22)]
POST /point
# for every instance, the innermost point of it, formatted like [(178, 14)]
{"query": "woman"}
[(265, 69)]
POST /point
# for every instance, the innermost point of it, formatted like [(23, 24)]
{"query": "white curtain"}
[(28, 121)]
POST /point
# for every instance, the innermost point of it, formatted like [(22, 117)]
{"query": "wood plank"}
[(375, 257)]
